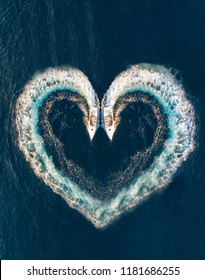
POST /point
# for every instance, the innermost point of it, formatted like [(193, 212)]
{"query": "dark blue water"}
[(101, 39)]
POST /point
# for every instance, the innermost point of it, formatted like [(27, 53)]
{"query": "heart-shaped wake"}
[(145, 81)]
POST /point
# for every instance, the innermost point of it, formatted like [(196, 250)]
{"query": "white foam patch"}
[(154, 80)]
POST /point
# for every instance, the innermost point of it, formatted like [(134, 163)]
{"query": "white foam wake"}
[(153, 80)]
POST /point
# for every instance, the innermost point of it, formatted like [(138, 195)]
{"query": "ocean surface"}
[(101, 38)]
